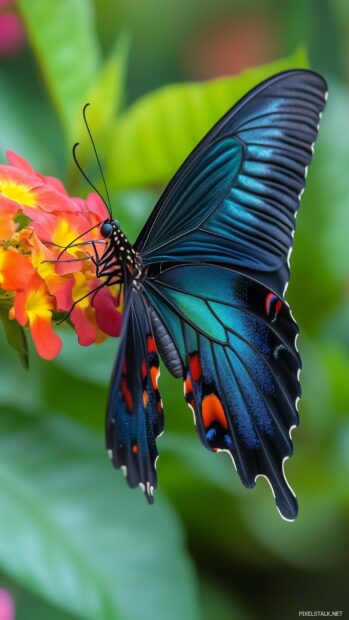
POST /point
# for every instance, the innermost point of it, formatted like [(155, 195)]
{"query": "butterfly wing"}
[(237, 342), (134, 413), (235, 198), (233, 203)]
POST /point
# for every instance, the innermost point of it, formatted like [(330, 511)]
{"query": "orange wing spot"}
[(151, 346), (126, 394), (195, 367), (134, 448), (145, 399), (212, 411), (144, 369), (159, 406), (154, 375), (188, 386)]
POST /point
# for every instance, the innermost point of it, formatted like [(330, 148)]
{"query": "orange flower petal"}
[(16, 271), (18, 311), (7, 226), (47, 343)]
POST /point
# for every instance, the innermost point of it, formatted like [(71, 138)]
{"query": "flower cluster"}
[(38, 276)]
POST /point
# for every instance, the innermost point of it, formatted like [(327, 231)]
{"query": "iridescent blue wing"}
[(134, 413), (235, 198), (237, 343)]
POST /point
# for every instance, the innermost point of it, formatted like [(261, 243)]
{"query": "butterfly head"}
[(109, 228)]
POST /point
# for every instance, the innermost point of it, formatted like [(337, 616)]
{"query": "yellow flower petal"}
[(38, 304), (18, 193)]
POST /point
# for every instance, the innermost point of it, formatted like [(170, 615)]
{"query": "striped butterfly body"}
[(204, 288)]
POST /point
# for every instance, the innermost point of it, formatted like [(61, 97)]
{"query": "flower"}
[(12, 33), (46, 265), (35, 306), (7, 606)]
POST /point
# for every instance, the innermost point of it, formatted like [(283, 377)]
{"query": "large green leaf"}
[(150, 140), (63, 38), (29, 606), (107, 92), (72, 532), (105, 98)]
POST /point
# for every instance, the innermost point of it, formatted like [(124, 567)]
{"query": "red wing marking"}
[(126, 394), (278, 307), (269, 300), (188, 386), (195, 366), (151, 346), (144, 369)]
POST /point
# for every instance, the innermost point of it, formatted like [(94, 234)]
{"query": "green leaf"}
[(75, 534), (28, 139), (105, 98), (314, 540), (106, 94), (29, 606), (93, 364), (216, 603), (150, 140), (15, 337), (186, 457), (62, 35)]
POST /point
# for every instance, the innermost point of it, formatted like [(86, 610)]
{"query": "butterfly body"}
[(119, 256), (204, 286)]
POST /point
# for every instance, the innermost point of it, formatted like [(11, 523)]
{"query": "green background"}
[(75, 542)]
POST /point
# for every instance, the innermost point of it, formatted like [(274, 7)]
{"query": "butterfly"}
[(204, 290)]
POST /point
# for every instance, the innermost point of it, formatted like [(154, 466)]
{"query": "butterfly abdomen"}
[(165, 345)]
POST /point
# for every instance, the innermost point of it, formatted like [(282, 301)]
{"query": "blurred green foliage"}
[(75, 542)]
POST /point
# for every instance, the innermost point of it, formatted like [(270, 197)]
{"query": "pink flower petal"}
[(12, 34), (19, 162), (7, 606), (108, 318), (62, 291), (56, 184), (96, 205), (50, 200), (85, 331)]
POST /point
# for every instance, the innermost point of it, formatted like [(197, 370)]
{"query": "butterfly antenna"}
[(97, 158), (89, 180)]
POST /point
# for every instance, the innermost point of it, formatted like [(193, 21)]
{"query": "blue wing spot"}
[(211, 434), (228, 440)]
